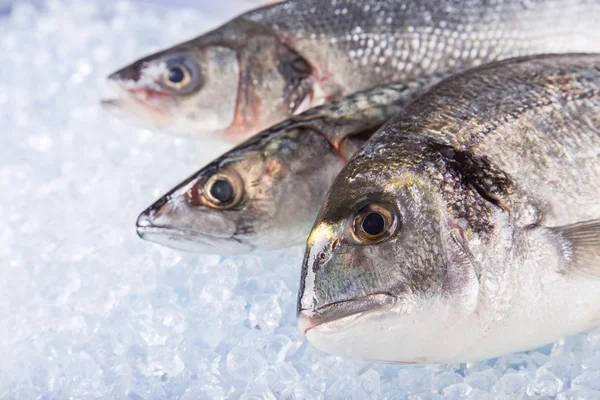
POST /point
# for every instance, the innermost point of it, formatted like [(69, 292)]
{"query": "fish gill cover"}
[(89, 311)]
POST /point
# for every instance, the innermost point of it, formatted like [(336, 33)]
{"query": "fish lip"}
[(309, 319), (148, 227), (149, 99)]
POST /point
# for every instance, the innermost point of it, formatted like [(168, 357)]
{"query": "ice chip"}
[(163, 363), (579, 394), (346, 388), (257, 392), (202, 391), (425, 396), (282, 376), (246, 364), (477, 394), (545, 384), (446, 379), (298, 392), (457, 391), (510, 386), (416, 379), (370, 382), (482, 380), (265, 313), (587, 380)]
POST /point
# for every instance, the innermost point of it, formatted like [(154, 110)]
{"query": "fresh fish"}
[(279, 60), (469, 225), (265, 193)]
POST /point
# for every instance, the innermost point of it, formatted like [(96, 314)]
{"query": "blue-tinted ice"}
[(89, 311)]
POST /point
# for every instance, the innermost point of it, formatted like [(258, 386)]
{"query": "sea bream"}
[(282, 59), (265, 193), (469, 225)]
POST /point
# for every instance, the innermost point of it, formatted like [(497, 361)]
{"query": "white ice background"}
[(88, 310)]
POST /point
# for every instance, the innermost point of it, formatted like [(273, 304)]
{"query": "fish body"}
[(282, 59), (469, 225), (268, 190)]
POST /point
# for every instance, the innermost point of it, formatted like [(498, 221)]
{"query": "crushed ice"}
[(90, 311)]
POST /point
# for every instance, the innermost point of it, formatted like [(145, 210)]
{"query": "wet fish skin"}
[(279, 60), (487, 187), (282, 176)]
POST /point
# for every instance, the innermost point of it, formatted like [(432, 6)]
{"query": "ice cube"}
[(545, 384), (246, 364), (446, 379), (457, 391), (482, 380), (510, 386)]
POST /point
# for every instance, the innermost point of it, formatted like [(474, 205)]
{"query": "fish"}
[(265, 193), (468, 226), (279, 60)]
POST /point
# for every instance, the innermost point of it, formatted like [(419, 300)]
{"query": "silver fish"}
[(282, 59), (265, 193), (469, 225)]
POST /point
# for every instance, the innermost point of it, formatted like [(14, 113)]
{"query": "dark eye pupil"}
[(373, 224), (176, 75), (222, 191)]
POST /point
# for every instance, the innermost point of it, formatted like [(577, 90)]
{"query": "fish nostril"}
[(335, 244), (155, 208), (322, 255)]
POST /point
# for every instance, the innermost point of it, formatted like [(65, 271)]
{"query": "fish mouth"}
[(340, 314), (189, 239), (142, 103)]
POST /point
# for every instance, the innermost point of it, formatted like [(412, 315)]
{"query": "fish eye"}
[(177, 76), (182, 74), (374, 223), (224, 190)]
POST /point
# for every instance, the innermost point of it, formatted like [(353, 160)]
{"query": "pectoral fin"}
[(581, 244)]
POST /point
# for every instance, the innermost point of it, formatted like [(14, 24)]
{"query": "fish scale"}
[(517, 136), (398, 40)]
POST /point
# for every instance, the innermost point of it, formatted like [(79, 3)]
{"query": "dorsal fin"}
[(360, 115)]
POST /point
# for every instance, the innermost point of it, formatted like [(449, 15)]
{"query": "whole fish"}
[(279, 60), (265, 193), (469, 225)]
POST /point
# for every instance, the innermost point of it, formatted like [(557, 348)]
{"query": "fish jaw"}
[(146, 106), (391, 332), (342, 312), (191, 241), (161, 223)]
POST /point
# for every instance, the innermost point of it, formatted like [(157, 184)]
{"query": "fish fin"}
[(581, 244)]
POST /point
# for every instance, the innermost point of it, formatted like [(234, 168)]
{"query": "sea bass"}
[(265, 193), (469, 225), (282, 59)]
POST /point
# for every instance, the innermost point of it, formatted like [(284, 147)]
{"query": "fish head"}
[(183, 89), (386, 276), (259, 196), (232, 82)]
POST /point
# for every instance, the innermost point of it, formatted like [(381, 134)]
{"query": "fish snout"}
[(130, 73), (144, 222), (343, 310), (147, 218), (305, 321)]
